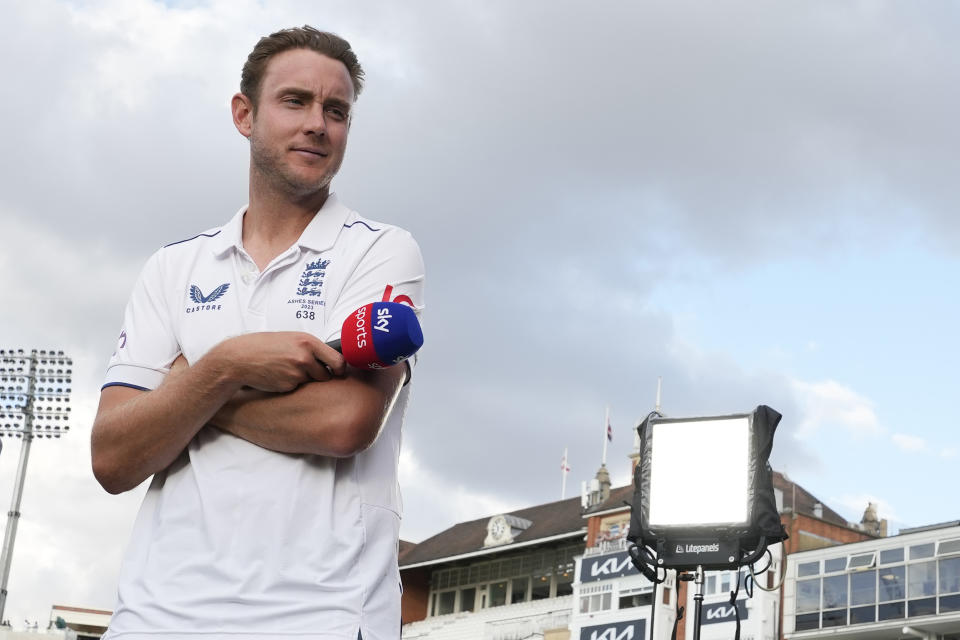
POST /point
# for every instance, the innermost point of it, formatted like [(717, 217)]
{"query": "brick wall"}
[(416, 591)]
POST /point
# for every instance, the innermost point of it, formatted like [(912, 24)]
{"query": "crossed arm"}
[(285, 391)]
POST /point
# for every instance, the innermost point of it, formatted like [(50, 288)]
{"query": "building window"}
[(497, 594), (807, 621), (446, 602), (861, 561), (863, 588), (808, 595), (922, 587), (490, 583), (540, 589), (835, 618), (834, 564), (891, 556), (711, 587), (948, 547), (835, 601), (949, 584), (890, 611), (596, 598), (891, 592), (922, 579), (629, 600), (897, 584), (892, 583), (950, 575), (863, 597), (468, 599), (518, 590), (920, 551), (595, 602)]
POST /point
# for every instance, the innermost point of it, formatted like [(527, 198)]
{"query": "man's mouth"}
[(311, 151)]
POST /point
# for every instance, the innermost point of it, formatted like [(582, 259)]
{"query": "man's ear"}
[(242, 109)]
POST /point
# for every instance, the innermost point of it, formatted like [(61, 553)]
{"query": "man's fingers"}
[(316, 369), (329, 357)]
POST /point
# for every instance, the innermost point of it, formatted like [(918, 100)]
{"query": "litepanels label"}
[(692, 552), (698, 548)]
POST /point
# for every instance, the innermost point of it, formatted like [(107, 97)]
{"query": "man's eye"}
[(293, 101), (337, 113)]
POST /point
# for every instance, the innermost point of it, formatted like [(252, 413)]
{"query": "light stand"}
[(34, 399), (679, 522), (697, 602)]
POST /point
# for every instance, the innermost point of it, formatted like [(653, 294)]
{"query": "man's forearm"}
[(337, 418), (138, 433)]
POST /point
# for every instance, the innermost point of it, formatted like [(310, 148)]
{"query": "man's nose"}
[(315, 122)]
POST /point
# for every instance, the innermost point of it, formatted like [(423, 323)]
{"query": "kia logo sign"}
[(605, 567), (629, 630), (724, 612)]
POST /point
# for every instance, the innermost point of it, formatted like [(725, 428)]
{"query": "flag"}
[(609, 431), (563, 465)]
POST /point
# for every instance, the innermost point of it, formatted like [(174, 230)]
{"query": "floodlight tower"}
[(34, 403)]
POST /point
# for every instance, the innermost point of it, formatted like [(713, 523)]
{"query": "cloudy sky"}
[(754, 200)]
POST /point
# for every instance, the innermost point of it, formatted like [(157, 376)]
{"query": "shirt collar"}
[(320, 234)]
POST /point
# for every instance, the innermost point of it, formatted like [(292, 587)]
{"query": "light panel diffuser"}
[(699, 472)]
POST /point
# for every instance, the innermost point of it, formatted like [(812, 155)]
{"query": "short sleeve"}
[(390, 270), (147, 345)]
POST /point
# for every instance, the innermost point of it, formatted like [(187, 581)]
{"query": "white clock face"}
[(498, 528)]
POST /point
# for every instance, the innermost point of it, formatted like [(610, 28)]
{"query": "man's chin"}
[(302, 188)]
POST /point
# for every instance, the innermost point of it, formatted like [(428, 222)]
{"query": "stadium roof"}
[(550, 522)]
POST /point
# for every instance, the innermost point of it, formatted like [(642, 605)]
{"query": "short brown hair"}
[(306, 37)]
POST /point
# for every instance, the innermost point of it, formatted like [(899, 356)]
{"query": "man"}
[(274, 509)]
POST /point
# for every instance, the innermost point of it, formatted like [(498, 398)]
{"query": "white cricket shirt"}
[(234, 541)]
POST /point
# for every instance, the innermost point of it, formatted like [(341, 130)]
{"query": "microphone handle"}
[(335, 345)]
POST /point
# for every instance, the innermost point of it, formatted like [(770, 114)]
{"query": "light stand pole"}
[(34, 399), (697, 602)]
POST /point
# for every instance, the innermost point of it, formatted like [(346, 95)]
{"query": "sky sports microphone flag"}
[(380, 334)]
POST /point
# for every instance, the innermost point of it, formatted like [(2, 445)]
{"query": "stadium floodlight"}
[(34, 403)]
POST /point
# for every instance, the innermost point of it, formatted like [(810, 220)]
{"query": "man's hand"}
[(279, 361)]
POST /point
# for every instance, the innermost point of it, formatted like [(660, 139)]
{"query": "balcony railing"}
[(604, 547)]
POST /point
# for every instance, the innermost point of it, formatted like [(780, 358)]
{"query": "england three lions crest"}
[(311, 280)]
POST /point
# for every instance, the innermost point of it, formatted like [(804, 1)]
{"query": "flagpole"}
[(606, 423), (563, 470)]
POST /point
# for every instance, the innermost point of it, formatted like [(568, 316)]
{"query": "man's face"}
[(298, 134)]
